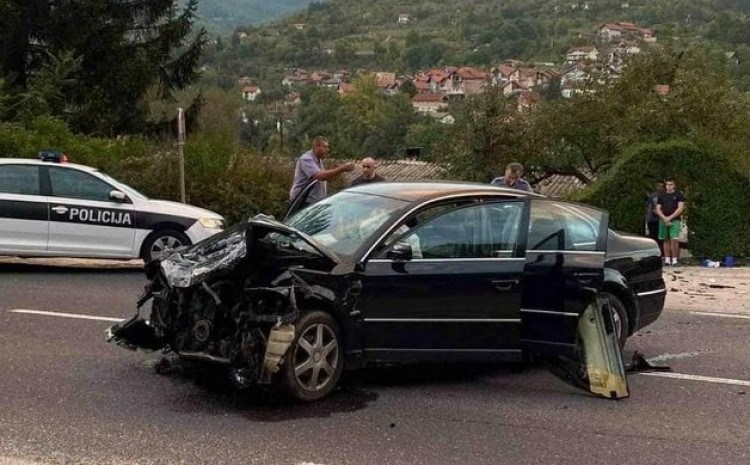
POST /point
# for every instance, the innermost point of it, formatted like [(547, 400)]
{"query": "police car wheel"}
[(159, 243)]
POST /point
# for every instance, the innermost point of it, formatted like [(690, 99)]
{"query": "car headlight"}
[(211, 223)]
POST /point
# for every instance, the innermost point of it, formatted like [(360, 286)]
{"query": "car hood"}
[(222, 252), (181, 209)]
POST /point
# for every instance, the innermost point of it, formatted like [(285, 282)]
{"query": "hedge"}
[(717, 194)]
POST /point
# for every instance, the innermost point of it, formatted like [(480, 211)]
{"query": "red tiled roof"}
[(251, 89), (625, 26), (346, 88), (422, 86), (661, 89), (471, 73), (558, 185), (506, 70)]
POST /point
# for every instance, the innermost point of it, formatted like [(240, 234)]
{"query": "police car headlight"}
[(211, 223)]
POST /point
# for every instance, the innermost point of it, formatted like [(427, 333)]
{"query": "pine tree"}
[(125, 48)]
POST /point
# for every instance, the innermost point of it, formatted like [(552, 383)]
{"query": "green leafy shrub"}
[(717, 194)]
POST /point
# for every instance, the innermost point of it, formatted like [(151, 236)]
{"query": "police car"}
[(49, 207)]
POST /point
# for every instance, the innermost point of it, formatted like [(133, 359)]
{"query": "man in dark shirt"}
[(652, 219), (368, 173), (669, 208)]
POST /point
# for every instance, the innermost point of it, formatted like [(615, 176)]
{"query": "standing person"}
[(669, 208), (310, 167), (512, 178), (652, 219), (368, 173)]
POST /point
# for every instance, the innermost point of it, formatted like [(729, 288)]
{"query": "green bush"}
[(717, 194)]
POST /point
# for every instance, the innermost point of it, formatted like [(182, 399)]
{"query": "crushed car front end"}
[(232, 299)]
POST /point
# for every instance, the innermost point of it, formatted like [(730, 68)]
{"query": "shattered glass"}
[(211, 257)]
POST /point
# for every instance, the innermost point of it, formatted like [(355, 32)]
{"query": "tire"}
[(317, 345), (157, 242), (622, 322)]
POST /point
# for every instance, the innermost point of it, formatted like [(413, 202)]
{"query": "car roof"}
[(31, 161), (426, 190)]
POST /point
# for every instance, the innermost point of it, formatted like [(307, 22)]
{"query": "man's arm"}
[(661, 213), (678, 212), (326, 175)]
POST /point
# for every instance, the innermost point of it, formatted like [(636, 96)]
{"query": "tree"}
[(124, 48), (661, 95), (487, 134)]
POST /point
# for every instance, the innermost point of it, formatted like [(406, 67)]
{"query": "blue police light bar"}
[(54, 156)]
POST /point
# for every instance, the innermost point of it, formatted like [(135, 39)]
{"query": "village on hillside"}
[(433, 89)]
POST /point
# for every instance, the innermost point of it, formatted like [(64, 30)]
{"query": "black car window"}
[(487, 230), (19, 179), (581, 225), (546, 231), (501, 226), (563, 226), (78, 185)]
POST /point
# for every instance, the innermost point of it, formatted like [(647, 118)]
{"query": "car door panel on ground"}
[(83, 218), (24, 221), (458, 295)]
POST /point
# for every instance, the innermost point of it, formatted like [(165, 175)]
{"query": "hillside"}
[(223, 16), (401, 36)]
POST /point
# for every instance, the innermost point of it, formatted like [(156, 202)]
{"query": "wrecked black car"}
[(405, 273)]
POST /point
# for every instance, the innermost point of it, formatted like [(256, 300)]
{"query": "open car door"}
[(565, 317), (300, 200)]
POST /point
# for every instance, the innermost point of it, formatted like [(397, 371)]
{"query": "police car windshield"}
[(124, 187)]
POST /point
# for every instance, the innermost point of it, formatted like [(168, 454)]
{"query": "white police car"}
[(51, 208)]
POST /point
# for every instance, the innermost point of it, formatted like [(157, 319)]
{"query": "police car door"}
[(24, 226), (85, 220)]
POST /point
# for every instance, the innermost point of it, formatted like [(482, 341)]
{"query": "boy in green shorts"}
[(669, 208)]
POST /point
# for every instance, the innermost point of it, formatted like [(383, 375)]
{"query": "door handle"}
[(60, 209), (586, 278), (504, 285)]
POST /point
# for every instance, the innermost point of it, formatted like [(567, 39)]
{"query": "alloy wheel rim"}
[(316, 357), (163, 245)]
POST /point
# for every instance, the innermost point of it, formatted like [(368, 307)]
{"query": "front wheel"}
[(313, 364), (158, 244)]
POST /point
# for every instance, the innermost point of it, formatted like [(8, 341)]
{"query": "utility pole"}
[(181, 151), (281, 136)]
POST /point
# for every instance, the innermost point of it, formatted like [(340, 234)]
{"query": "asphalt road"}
[(67, 397)]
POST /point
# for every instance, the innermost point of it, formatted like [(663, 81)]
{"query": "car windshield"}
[(345, 221), (122, 186)]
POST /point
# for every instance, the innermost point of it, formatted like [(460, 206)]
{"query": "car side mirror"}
[(400, 251), (118, 196)]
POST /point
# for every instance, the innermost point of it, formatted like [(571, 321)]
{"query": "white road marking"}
[(708, 379), (664, 357), (66, 315), (723, 315)]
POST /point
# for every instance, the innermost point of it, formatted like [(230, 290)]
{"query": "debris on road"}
[(639, 364), (711, 289)]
